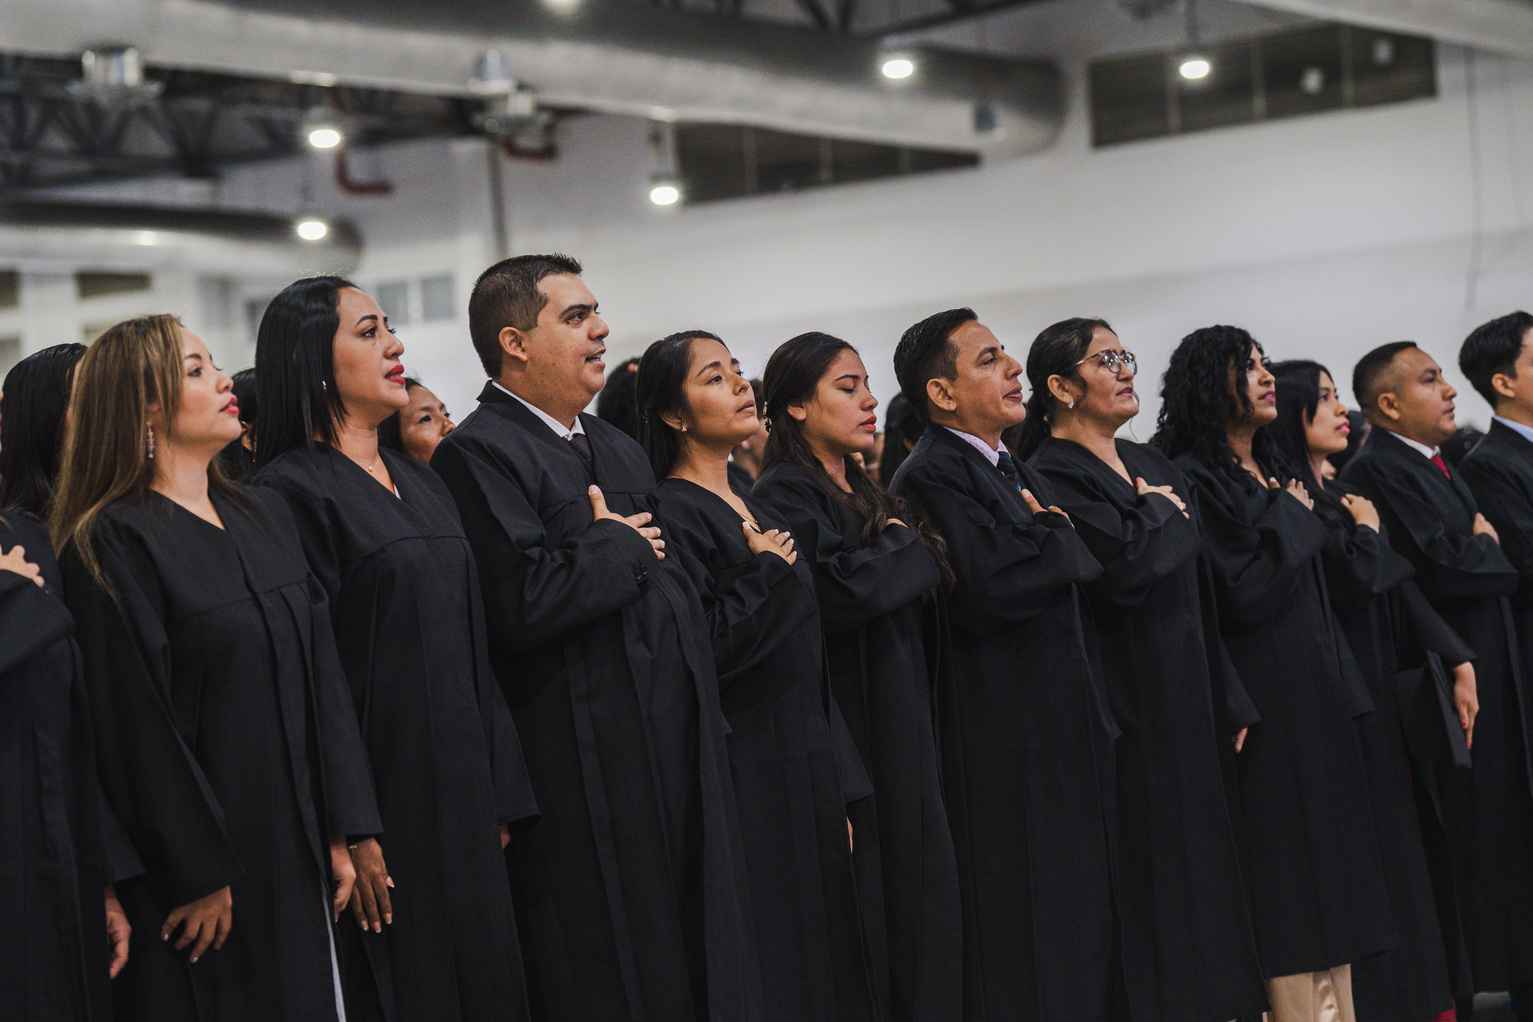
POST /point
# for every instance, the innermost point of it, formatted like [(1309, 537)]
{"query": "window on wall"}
[(10, 289), (438, 298), (730, 161), (99, 284), (1292, 73)]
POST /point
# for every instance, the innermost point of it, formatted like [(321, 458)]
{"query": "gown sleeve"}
[(31, 620), (752, 608), (534, 593), (856, 582), (1256, 564), (1449, 565), (153, 784), (1137, 546), (1507, 506), (1008, 571), (1232, 700)]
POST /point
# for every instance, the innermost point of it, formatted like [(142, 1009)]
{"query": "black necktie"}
[(582, 447), (1008, 470)]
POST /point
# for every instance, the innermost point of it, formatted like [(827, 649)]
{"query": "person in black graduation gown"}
[(796, 774), (1432, 518), (1189, 949), (226, 741), (1497, 358), (382, 536), (1402, 648), (877, 580), (1023, 722), (56, 957), (1303, 817), (630, 890)]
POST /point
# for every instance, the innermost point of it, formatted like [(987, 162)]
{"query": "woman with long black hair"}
[(228, 747), (877, 580), (797, 774), (383, 537), (1188, 947), (1302, 815), (54, 839), (1401, 646)]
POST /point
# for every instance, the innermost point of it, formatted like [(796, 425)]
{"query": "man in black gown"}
[(1027, 738), (1497, 358), (1434, 519), (630, 888)]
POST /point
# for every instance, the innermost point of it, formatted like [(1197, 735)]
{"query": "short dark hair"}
[(295, 367), (1493, 348), (925, 353), (1368, 375), (32, 428), (507, 295)]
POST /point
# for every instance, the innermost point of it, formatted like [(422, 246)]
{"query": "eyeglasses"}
[(1114, 360)]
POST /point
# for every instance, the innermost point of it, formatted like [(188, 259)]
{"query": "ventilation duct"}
[(106, 237), (615, 57)]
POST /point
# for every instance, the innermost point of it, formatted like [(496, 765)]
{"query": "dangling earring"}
[(149, 444)]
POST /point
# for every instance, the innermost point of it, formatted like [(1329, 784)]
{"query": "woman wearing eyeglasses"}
[(1188, 947)]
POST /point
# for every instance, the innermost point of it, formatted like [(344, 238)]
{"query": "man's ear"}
[(513, 344), (1387, 405), (1501, 385), (939, 393)]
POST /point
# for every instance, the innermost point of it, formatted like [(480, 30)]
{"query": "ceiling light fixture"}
[(312, 227), (664, 190), (1194, 65), (897, 67)]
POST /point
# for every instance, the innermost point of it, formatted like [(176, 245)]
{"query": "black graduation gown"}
[(630, 890), (53, 861), (1499, 472), (1189, 950), (447, 762), (1469, 580), (796, 773), (877, 601), (1302, 813), (228, 748), (1026, 738), (1399, 643)]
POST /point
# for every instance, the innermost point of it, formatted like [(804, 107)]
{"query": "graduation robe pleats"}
[(1399, 643), (796, 771), (1306, 831), (1026, 738), (447, 762), (228, 746), (1497, 621), (53, 857), (1189, 949), (878, 601), (630, 888)]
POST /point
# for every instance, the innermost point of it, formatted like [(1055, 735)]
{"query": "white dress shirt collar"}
[(992, 456), (1415, 445), (559, 428)]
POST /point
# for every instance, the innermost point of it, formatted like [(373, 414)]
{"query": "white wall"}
[(1324, 235)]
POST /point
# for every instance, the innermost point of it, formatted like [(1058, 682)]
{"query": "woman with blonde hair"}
[(228, 746)]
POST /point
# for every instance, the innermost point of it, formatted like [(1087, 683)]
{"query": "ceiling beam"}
[(1496, 26)]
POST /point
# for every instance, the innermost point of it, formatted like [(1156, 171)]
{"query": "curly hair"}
[(1198, 398)]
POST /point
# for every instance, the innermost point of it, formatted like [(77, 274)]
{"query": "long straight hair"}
[(660, 387), (31, 429), (295, 367), (128, 369), (1298, 398)]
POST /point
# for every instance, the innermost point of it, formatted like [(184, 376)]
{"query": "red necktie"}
[(1442, 466)]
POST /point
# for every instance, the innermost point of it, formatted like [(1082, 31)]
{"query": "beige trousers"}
[(1312, 996)]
